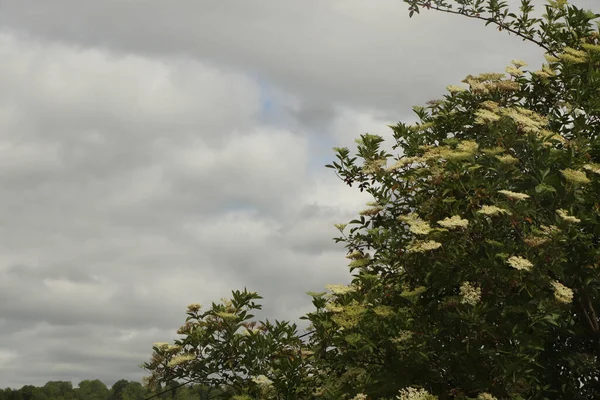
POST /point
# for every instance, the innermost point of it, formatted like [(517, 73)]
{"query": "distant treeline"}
[(97, 390)]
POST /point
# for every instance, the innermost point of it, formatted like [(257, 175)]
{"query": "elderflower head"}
[(181, 359), (485, 396), (520, 263), (421, 246), (455, 89), (518, 63), (514, 71), (492, 210), (340, 289), (262, 380), (485, 117), (161, 345), (360, 396), (453, 222), (507, 159), (514, 195), (564, 215), (415, 224), (562, 293), (194, 307), (574, 176), (470, 294), (411, 393), (594, 168)]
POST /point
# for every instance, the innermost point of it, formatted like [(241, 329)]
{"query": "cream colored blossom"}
[(564, 215), (194, 307), (514, 71), (491, 106), (507, 159), (545, 72), (334, 308), (571, 59), (594, 48), (485, 396), (535, 241), (453, 222), (575, 52), (562, 293), (340, 289), (550, 230), (161, 345), (248, 332), (355, 255), (401, 163), (181, 359), (403, 336), (173, 348), (262, 380), (520, 263), (470, 293), (527, 120), (350, 315), (468, 146), (492, 151), (455, 89), (514, 195), (485, 117), (519, 63), (411, 393), (371, 211), (421, 246), (594, 168), (226, 315), (574, 176), (415, 224), (360, 396), (374, 166), (492, 210), (340, 227)]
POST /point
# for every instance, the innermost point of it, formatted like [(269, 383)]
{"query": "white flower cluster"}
[(485, 396), (562, 293), (194, 307), (421, 246), (595, 168), (520, 263), (564, 215), (470, 293), (416, 225), (453, 222), (574, 176), (262, 380), (492, 210), (411, 393), (340, 289), (181, 359), (360, 396), (514, 195)]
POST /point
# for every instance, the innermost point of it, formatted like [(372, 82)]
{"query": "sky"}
[(155, 154)]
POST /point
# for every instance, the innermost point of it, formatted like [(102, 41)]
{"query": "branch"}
[(491, 20)]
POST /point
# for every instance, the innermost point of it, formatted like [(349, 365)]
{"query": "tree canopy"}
[(476, 267)]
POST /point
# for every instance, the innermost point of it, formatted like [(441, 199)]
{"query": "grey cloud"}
[(332, 52), (141, 171)]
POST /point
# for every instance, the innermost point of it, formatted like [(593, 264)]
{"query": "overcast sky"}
[(156, 153)]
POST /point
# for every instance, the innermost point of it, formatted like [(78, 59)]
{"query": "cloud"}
[(153, 156), (135, 185)]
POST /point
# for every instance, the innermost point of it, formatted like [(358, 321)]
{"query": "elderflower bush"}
[(476, 267), (485, 239), (222, 347)]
